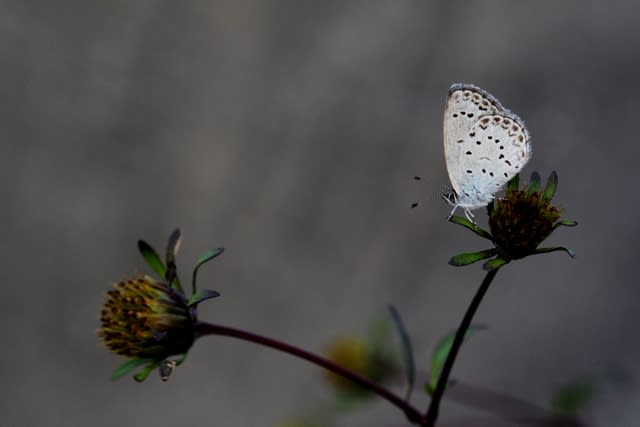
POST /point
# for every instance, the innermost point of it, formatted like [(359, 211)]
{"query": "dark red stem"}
[(413, 415), (434, 406)]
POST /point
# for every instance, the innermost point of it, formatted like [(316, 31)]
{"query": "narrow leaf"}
[(471, 257), (128, 366), (204, 259), (144, 373), (202, 295), (442, 351), (571, 398), (180, 360), (565, 223), (172, 250), (460, 220), (430, 389), (494, 264), (534, 183), (551, 187), (173, 246), (571, 253), (512, 185), (152, 258), (407, 351)]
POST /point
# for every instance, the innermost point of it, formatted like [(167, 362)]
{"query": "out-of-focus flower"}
[(362, 357)]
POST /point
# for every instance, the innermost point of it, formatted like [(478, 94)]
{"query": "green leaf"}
[(128, 366), (494, 264), (152, 258), (200, 296), (565, 223), (534, 183), (512, 185), (551, 187), (571, 398), (173, 246), (471, 257), (208, 256), (407, 351), (430, 389), (172, 250), (571, 253), (144, 373), (442, 351), (460, 220), (180, 360)]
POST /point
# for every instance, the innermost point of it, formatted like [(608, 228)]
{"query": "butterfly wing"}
[(484, 143), (498, 150)]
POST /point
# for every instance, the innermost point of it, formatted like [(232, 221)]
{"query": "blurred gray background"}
[(289, 132)]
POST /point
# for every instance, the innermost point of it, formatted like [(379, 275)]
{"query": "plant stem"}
[(434, 406), (413, 414)]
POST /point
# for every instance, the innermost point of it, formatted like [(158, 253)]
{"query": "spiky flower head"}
[(147, 320), (519, 223)]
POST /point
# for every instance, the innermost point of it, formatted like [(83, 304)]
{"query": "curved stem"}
[(413, 414), (434, 406)]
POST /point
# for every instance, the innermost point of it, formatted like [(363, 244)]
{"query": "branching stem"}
[(413, 414)]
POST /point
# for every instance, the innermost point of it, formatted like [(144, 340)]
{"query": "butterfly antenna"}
[(415, 204)]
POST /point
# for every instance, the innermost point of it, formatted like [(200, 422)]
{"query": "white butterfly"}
[(485, 145)]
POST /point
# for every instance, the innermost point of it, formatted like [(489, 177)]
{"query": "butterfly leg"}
[(451, 214), (470, 216)]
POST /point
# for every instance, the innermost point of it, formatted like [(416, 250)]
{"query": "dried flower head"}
[(519, 223), (521, 220)]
